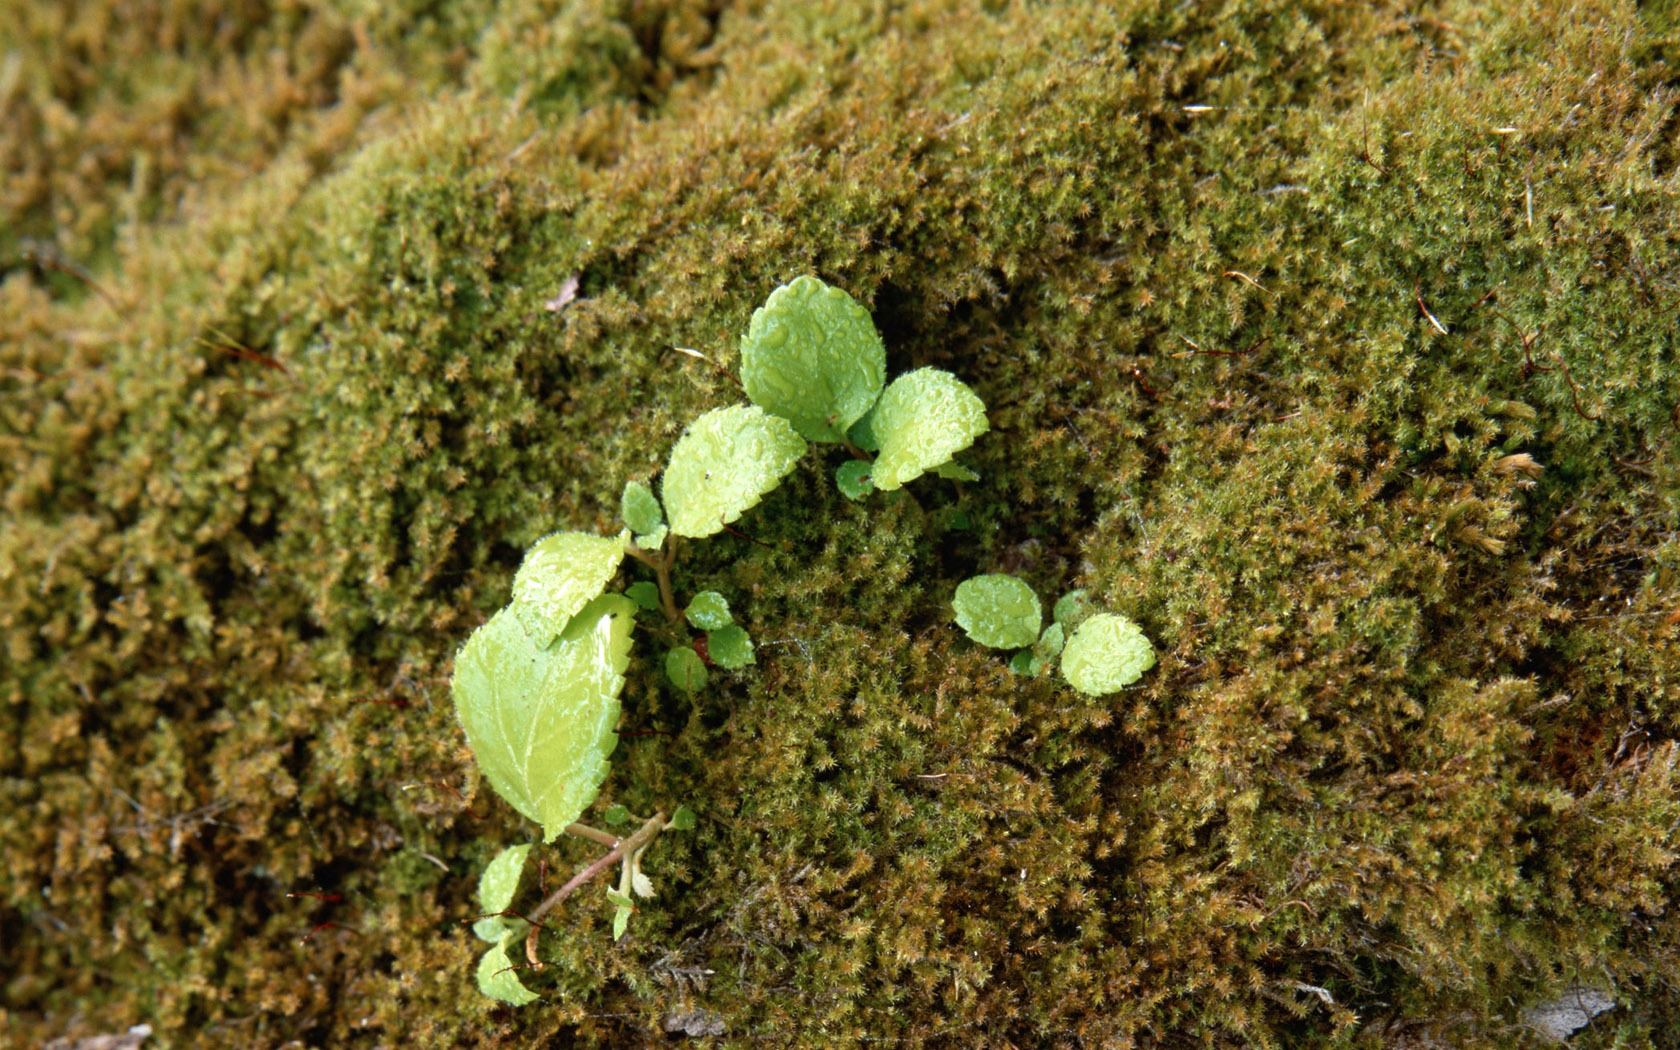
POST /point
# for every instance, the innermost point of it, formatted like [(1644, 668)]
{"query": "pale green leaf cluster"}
[(1105, 652), (812, 356)]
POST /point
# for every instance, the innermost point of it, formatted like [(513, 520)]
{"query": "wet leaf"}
[(813, 357), (998, 610), (541, 720), (709, 611), (1106, 654), (724, 464), (730, 647), (561, 573), (925, 417)]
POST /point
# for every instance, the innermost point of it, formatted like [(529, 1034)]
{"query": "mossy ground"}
[(1334, 343)]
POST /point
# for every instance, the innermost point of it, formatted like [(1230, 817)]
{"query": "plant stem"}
[(584, 831), (662, 571), (661, 566), (644, 835)]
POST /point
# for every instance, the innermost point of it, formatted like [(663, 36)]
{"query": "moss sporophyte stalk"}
[(537, 687)]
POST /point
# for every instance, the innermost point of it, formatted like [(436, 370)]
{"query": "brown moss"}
[(1274, 307)]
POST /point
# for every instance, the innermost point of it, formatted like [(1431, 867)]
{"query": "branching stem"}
[(661, 564), (625, 847)]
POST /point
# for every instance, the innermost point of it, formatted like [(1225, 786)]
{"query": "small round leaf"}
[(924, 418), (998, 611), (852, 477), (1106, 654), (730, 647), (685, 669), (644, 594), (724, 464), (708, 611), (640, 508)]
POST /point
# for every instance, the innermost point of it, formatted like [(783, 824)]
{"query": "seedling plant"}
[(537, 686)]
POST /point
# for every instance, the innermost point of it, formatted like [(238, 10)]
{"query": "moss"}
[(1333, 344)]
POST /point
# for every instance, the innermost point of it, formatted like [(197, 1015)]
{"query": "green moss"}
[(1251, 293)]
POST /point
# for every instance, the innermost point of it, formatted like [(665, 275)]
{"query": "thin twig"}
[(644, 835)]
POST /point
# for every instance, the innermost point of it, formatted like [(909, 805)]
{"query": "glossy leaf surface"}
[(724, 464), (813, 357), (541, 721), (925, 417), (562, 573)]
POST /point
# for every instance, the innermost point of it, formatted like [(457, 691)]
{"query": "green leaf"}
[(1023, 663), (813, 357), (954, 471), (1051, 641), (616, 816), (1072, 608), (495, 928), (685, 669), (561, 574), (999, 611), (497, 980), (924, 418), (1105, 654), (730, 647), (682, 820), (708, 611), (852, 477), (652, 541), (621, 917), (862, 433), (541, 720), (500, 878), (640, 508), (644, 594), (724, 464)]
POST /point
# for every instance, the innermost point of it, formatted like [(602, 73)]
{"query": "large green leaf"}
[(541, 720), (562, 573), (724, 464), (924, 418), (1105, 654), (998, 610), (812, 356)]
